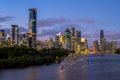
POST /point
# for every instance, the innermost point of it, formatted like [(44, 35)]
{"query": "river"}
[(84, 67)]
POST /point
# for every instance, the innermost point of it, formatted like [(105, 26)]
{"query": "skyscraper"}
[(51, 42), (2, 33), (14, 31), (2, 38), (67, 37), (78, 41), (111, 47), (78, 36), (22, 39), (32, 27), (73, 40), (57, 41), (95, 46), (72, 30), (102, 42), (101, 34), (61, 39)]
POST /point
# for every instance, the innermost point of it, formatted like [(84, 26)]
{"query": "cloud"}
[(108, 35), (47, 32), (6, 18), (54, 30), (7, 30), (49, 22), (22, 29), (86, 20), (113, 35)]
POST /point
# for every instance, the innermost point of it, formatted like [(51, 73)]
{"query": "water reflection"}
[(90, 67), (61, 74), (32, 73)]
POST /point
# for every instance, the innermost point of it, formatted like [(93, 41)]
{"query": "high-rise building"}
[(32, 27), (95, 46), (78, 40), (102, 43), (14, 31), (82, 47), (2, 33), (73, 40), (61, 39), (114, 46), (72, 30), (78, 36), (57, 41), (111, 47), (51, 43), (67, 39), (8, 42), (101, 34), (2, 38), (22, 39), (84, 40)]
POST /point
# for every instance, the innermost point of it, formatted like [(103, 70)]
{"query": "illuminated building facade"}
[(67, 39), (84, 45), (95, 46), (78, 41), (73, 39), (61, 40), (32, 28), (78, 36), (14, 31), (102, 43), (2, 38), (57, 41), (45, 44), (73, 43), (72, 30), (61, 37), (108, 47), (8, 43), (2, 33), (114, 46), (111, 47), (22, 39), (51, 43)]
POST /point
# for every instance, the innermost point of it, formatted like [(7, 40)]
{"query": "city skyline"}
[(88, 18)]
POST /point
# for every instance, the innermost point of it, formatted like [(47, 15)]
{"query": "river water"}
[(84, 67)]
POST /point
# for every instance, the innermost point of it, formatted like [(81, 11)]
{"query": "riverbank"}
[(19, 57), (117, 51), (105, 67)]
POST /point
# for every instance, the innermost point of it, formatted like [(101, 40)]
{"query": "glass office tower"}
[(32, 27)]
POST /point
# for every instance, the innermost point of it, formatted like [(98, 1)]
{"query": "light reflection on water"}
[(90, 67)]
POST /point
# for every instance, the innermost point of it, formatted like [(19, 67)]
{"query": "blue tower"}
[(32, 27)]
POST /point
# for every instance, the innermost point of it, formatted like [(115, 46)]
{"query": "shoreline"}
[(22, 57)]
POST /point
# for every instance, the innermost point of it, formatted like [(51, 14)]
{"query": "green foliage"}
[(117, 51), (22, 56)]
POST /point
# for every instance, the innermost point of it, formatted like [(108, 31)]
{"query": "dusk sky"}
[(55, 16)]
